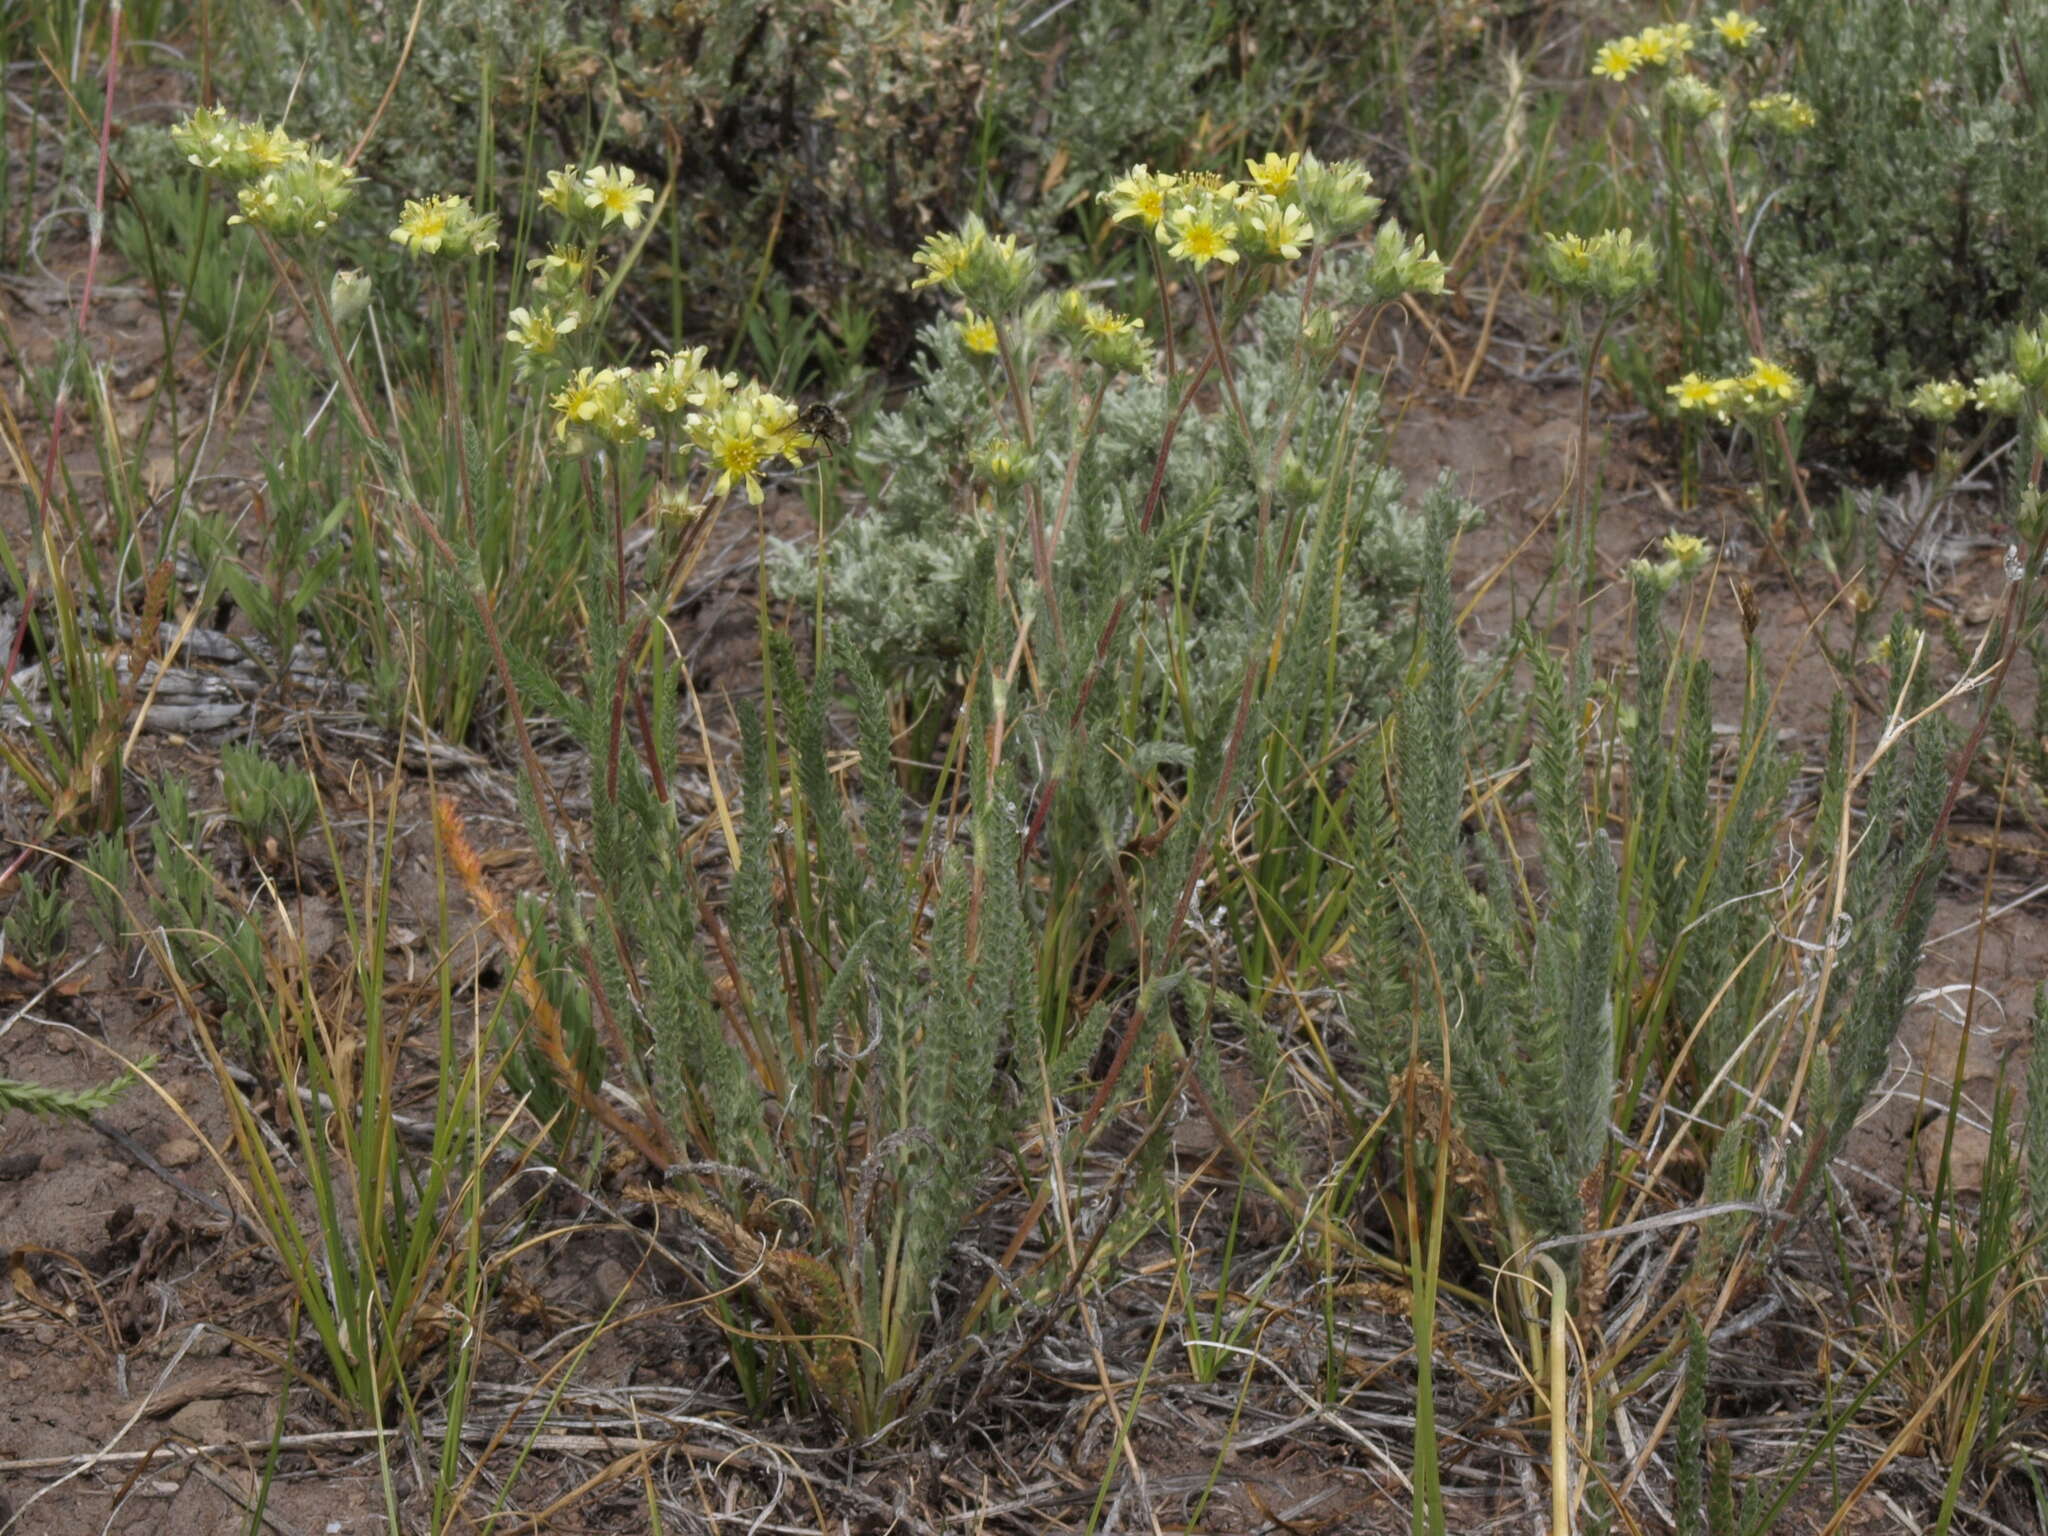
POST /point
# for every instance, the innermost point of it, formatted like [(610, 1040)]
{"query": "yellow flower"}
[(1766, 381), (1999, 394), (230, 147), (1142, 196), (742, 432), (564, 192), (666, 387), (564, 267), (1736, 29), (775, 424), (978, 333), (538, 330), (1783, 112), (1274, 175), (1653, 47), (1688, 550), (1277, 231), (1667, 43), (597, 400), (1939, 400), (1617, 60), (445, 226), (304, 196), (1202, 234), (612, 191), (942, 256), (1694, 393)]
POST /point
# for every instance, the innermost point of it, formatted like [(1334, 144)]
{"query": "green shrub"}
[(1910, 234)]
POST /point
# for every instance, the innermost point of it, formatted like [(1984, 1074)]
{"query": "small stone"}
[(1967, 1155), (179, 1152), (204, 1422), (52, 1162)]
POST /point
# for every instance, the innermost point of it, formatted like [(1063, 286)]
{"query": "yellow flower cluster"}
[(1613, 266), (1783, 112), (1106, 338), (978, 334), (1651, 48), (602, 196), (304, 196), (537, 332), (1943, 400), (990, 272), (284, 188), (1766, 390), (1737, 30), (742, 431), (1685, 555), (445, 226), (229, 147), (1289, 201), (739, 428)]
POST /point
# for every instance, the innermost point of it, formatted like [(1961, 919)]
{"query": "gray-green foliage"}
[(1518, 959), (1709, 866), (1524, 995), (1894, 865), (38, 925), (65, 1103), (903, 577), (211, 942), (854, 1079), (105, 866), (268, 802)]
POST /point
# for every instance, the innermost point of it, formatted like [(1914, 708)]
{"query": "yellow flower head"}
[(1688, 550), (1617, 60), (565, 268), (564, 193), (1783, 112), (666, 388), (1694, 393), (942, 256), (1202, 232), (614, 194), (1003, 462), (1766, 381), (598, 401), (232, 148), (1998, 394), (537, 331), (445, 226), (744, 433), (1939, 400), (978, 334), (1736, 29), (1669, 43), (1274, 175), (1141, 196), (1276, 231), (304, 196)]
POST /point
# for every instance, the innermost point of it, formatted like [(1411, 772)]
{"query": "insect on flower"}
[(822, 422)]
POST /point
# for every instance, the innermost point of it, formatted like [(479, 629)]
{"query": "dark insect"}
[(824, 423)]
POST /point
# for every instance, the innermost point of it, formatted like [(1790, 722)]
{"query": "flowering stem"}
[(1041, 548), (1582, 531), (1223, 362), (453, 403), (342, 370), (1753, 326), (1165, 301)]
